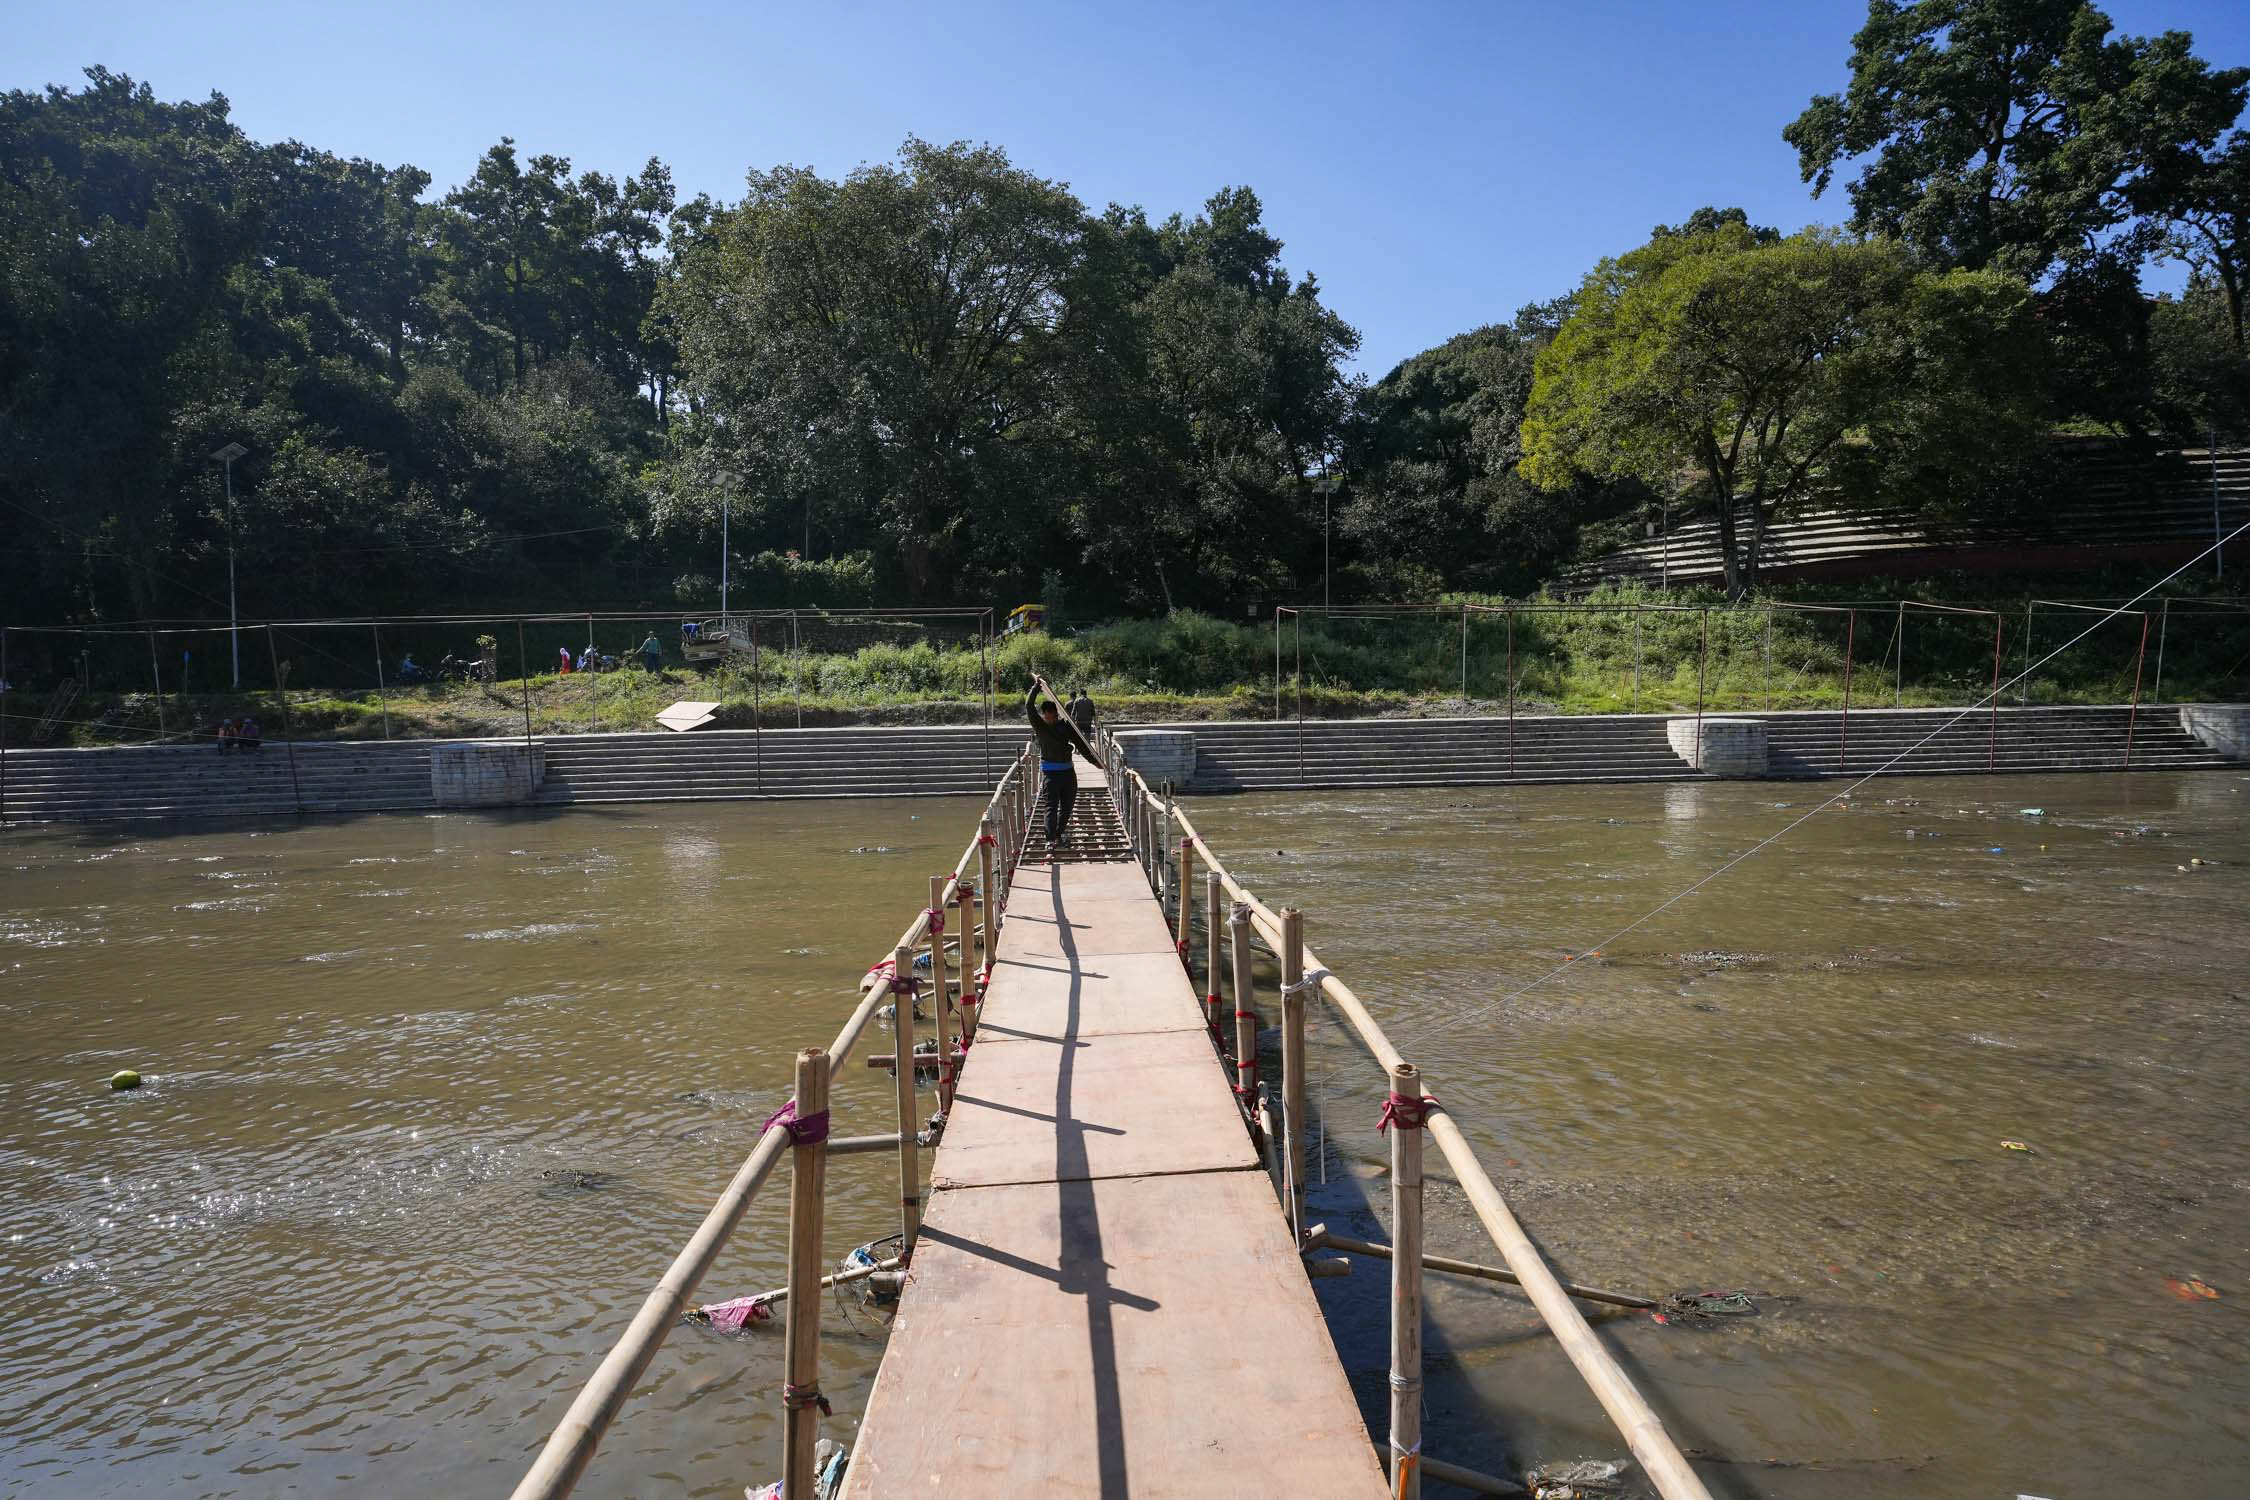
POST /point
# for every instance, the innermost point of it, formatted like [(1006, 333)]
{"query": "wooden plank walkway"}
[(1104, 1301)]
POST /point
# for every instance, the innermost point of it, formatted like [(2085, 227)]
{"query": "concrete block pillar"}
[(1161, 755), (1732, 748), (486, 773)]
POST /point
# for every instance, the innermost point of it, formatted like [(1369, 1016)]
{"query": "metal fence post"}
[(288, 725), (1293, 1067), (1844, 725), (2134, 718), (1898, 671), (2163, 622), (382, 696), (156, 675)]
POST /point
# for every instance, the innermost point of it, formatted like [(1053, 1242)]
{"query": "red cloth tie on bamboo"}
[(1405, 1113), (986, 840), (798, 1397), (804, 1130), (936, 914)]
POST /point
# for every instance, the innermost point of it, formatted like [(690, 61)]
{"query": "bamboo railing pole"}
[(988, 883), (834, 1278), (1319, 1236), (156, 681), (1473, 1480), (1245, 1009), (570, 1447), (902, 1072), (1184, 889), (941, 989), (1214, 923), (1293, 1067), (808, 1181), (1404, 1112), (1635, 1420), (808, 1171), (965, 914)]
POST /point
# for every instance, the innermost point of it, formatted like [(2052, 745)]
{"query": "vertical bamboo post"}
[(1187, 899), (1404, 1112), (382, 696), (1293, 1066), (987, 882), (2134, 719), (288, 727), (801, 1401), (941, 989), (156, 676), (902, 1074), (1245, 1009), (1214, 923), (1164, 851), (965, 913)]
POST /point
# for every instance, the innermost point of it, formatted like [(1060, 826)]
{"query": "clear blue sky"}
[(1436, 165)]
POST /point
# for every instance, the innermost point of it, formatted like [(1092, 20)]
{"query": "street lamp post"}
[(226, 457)]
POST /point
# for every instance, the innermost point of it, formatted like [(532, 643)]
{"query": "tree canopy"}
[(1759, 373)]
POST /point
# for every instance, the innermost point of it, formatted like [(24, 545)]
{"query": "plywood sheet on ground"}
[(1152, 1338), (1097, 881), (1103, 1106), (1048, 998)]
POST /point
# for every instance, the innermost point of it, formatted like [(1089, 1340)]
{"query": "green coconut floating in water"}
[(124, 1078)]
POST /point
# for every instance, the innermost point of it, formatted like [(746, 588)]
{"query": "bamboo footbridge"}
[(1105, 1286)]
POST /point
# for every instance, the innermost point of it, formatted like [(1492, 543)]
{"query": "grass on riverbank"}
[(1615, 652)]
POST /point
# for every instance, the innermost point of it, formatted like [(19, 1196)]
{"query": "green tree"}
[(887, 342), (2006, 133), (2205, 200), (1758, 375)]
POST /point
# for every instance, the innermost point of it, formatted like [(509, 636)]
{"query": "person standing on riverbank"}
[(1057, 738), (1082, 713)]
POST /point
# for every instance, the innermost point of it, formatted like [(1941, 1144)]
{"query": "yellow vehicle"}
[(1023, 619)]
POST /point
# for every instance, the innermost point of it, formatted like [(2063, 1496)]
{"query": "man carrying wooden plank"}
[(1057, 738)]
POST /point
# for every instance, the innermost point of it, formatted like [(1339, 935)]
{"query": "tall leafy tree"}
[(2006, 133), (1758, 375)]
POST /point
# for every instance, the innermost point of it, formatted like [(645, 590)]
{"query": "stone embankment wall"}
[(181, 781)]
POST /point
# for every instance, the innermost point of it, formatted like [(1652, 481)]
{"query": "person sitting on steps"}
[(249, 736), (1057, 738)]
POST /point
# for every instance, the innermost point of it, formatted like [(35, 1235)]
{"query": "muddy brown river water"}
[(432, 1100)]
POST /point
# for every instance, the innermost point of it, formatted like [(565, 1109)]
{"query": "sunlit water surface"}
[(432, 1100)]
